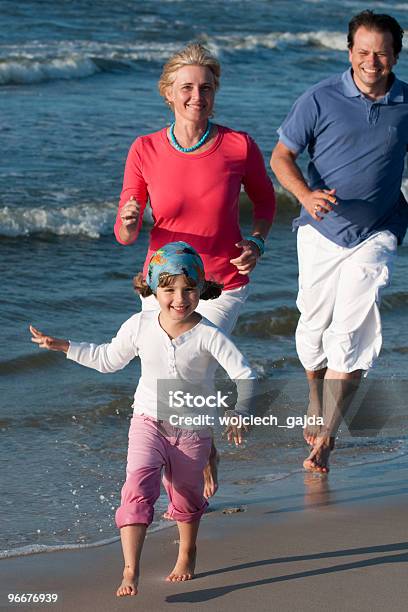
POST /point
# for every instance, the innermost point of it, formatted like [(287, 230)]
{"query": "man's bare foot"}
[(315, 407), (318, 460), (310, 434), (211, 474), (129, 583), (184, 568)]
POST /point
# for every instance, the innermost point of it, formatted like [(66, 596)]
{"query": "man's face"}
[(372, 58)]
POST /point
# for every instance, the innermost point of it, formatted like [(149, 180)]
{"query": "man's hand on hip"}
[(318, 203)]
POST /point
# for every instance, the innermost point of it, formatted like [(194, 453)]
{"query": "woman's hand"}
[(48, 342), (129, 214), (246, 262)]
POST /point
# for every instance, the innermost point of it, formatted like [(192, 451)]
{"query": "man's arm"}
[(317, 203)]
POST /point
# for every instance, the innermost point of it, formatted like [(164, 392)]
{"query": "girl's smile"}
[(177, 301)]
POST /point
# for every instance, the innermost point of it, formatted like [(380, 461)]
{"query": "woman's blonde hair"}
[(194, 54)]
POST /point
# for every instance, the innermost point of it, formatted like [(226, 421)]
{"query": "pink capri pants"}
[(182, 453)]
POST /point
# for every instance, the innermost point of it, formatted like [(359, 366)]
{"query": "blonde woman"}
[(192, 173)]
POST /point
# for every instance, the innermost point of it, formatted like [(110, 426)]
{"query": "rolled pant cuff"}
[(131, 515), (186, 517)]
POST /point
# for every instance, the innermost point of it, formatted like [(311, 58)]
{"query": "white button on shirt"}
[(189, 357)]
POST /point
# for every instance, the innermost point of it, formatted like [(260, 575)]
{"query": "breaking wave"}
[(40, 62), (89, 220), (321, 38), (266, 324)]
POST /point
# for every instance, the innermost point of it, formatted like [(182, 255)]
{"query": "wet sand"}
[(332, 543)]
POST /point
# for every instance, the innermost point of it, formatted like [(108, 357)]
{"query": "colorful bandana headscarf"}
[(175, 258)]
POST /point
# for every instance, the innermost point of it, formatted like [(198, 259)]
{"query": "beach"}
[(336, 541)]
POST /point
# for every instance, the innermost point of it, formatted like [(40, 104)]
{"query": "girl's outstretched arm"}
[(48, 342)]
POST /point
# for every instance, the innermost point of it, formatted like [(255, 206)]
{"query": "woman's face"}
[(192, 93)]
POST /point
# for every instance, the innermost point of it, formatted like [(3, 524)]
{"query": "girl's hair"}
[(210, 291), (194, 54)]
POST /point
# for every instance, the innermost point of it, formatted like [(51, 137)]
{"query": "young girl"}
[(176, 343)]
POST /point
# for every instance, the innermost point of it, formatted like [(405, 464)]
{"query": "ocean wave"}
[(379, 5), (91, 220), (251, 480), (402, 350), (267, 367), (26, 71), (395, 301), (92, 415), (404, 188), (74, 60), (277, 322), (287, 205), (34, 549), (273, 40), (39, 62), (27, 363)]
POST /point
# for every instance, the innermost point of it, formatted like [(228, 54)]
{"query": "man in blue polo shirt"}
[(355, 129)]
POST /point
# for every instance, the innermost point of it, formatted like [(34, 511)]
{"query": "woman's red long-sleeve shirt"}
[(195, 197)]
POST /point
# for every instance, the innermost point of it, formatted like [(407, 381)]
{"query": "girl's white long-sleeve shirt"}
[(188, 358)]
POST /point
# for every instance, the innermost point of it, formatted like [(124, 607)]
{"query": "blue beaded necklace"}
[(194, 147)]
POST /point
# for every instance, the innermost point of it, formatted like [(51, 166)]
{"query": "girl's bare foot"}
[(184, 568), (129, 583), (211, 474)]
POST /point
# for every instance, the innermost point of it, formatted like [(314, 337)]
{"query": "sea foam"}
[(89, 220), (39, 62), (26, 71), (320, 38)]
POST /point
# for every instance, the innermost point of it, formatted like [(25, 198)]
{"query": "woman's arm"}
[(251, 251), (260, 191), (128, 221), (133, 197)]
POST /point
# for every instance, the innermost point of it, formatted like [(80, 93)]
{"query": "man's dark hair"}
[(379, 22)]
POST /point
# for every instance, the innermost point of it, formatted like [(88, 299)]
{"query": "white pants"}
[(339, 297), (222, 311)]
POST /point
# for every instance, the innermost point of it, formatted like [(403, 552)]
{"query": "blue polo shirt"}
[(356, 146)]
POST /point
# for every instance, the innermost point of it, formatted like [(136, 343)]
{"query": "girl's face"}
[(178, 301)]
